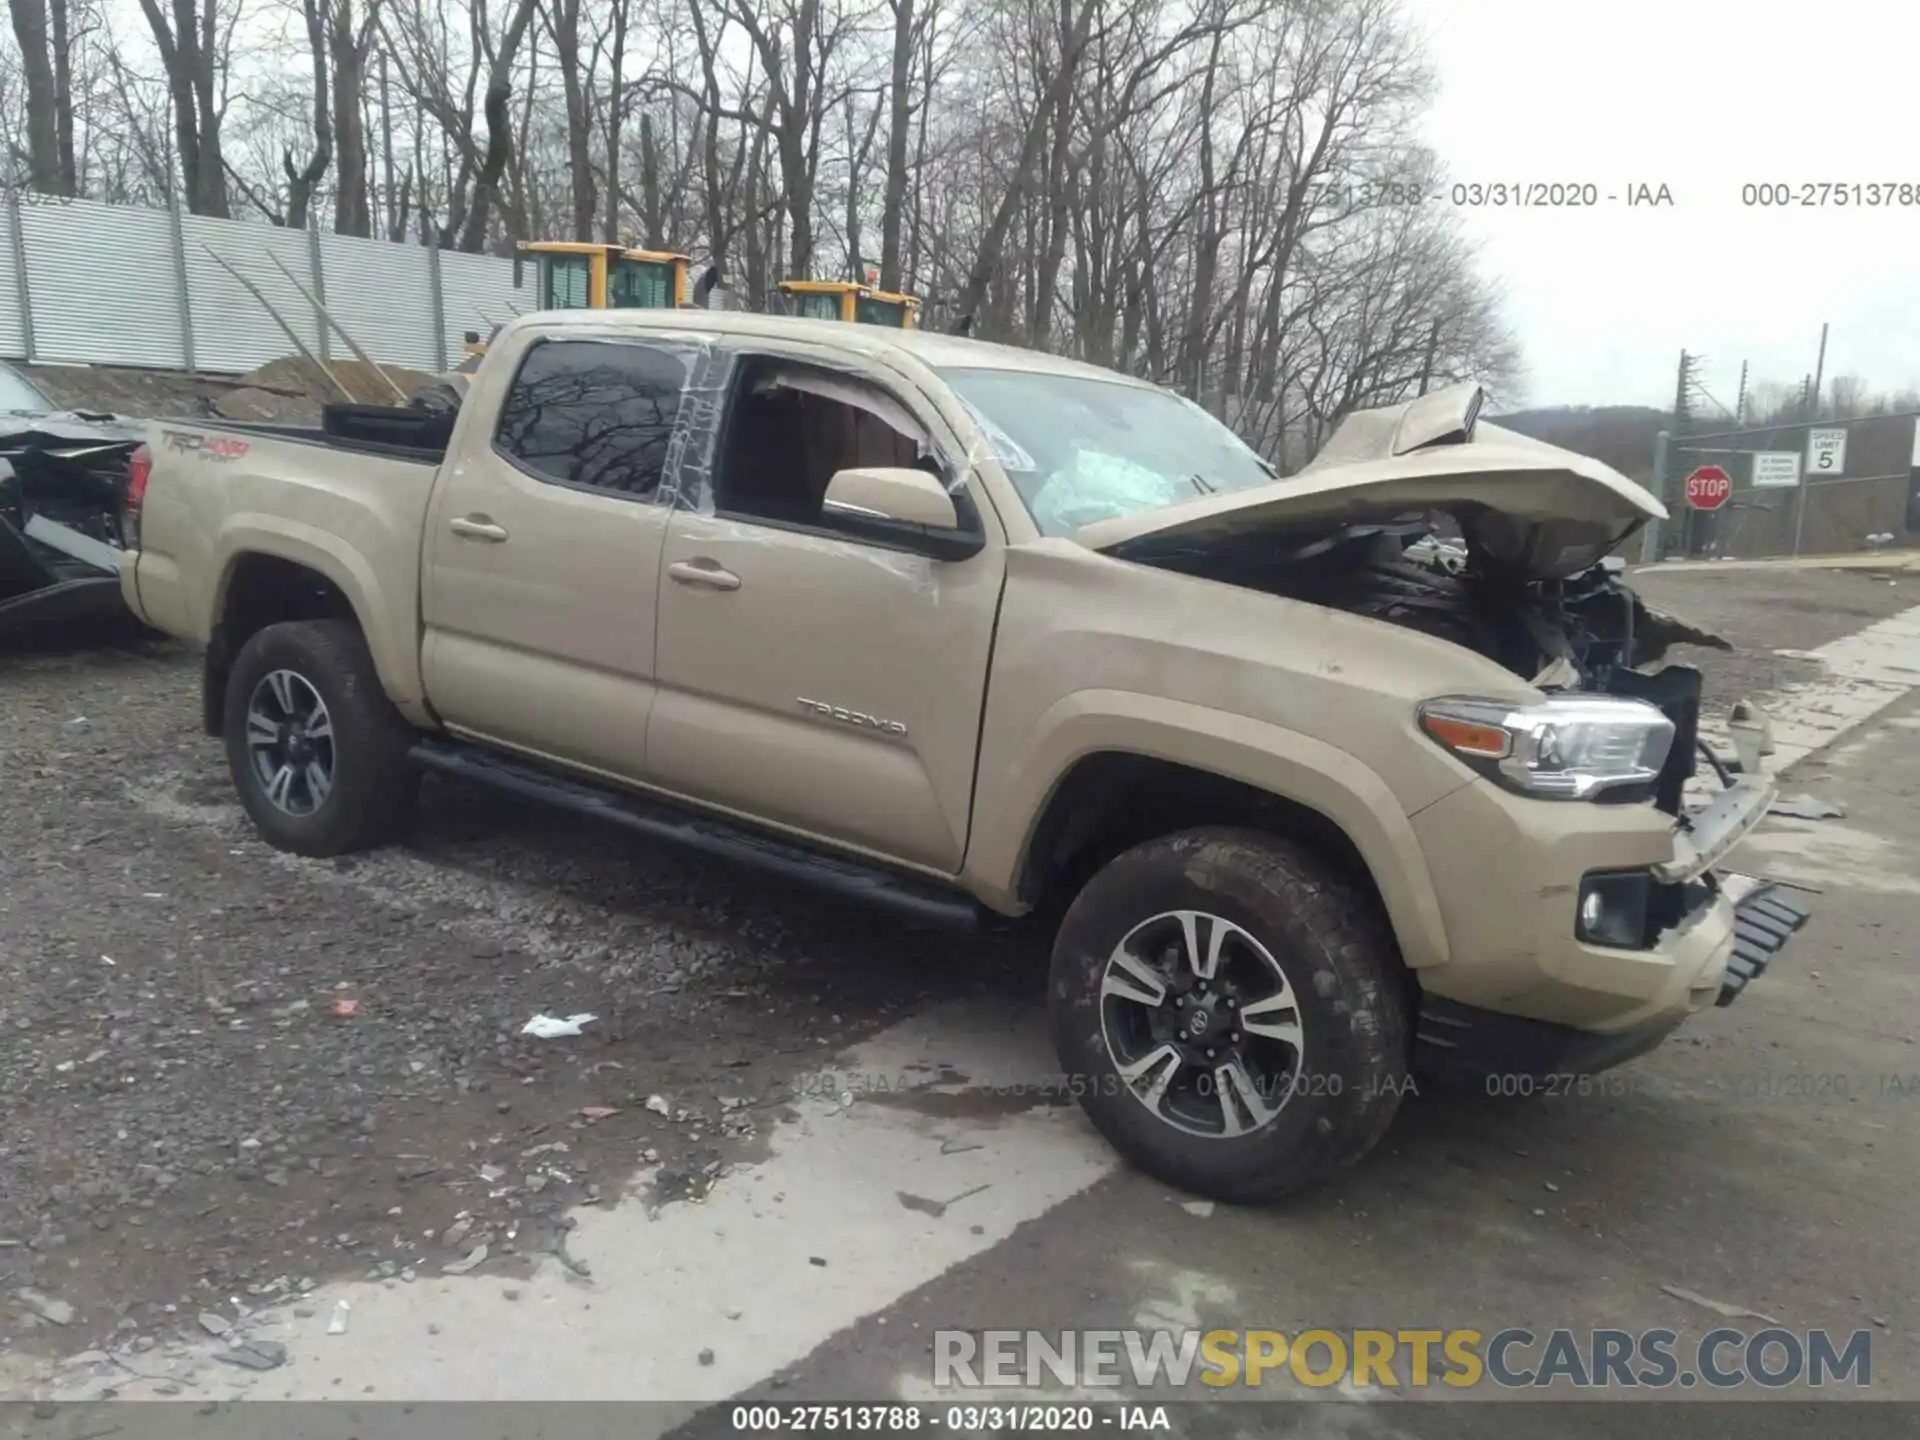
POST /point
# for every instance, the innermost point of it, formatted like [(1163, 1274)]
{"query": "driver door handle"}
[(707, 573), (478, 527)]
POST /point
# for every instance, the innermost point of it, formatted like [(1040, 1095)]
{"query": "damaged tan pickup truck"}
[(1326, 780)]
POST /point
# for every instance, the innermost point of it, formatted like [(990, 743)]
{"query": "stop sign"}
[(1708, 487)]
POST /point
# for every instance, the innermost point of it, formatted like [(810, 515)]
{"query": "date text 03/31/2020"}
[(906, 1418), (1497, 194)]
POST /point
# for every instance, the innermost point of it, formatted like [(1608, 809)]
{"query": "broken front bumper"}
[(1706, 837), (1595, 929)]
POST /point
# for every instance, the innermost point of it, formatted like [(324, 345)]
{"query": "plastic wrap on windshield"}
[(996, 443)]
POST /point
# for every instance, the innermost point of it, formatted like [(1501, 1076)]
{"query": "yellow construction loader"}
[(577, 275), (582, 275), (586, 275), (851, 302)]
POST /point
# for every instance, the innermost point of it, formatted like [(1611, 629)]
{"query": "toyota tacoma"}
[(1322, 781)]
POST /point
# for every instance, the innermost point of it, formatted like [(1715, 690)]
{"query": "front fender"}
[(1281, 762), (388, 614)]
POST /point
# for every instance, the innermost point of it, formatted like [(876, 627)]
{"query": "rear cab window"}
[(594, 414)]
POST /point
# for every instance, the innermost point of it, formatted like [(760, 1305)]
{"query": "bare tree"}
[(1209, 193), (424, 53), (349, 44), (796, 43), (613, 40), (563, 22), (912, 29), (301, 179), (192, 42), (42, 30)]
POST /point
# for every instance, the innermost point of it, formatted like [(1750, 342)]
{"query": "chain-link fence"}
[(120, 285), (1811, 487)]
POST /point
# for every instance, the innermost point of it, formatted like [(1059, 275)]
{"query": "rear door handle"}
[(703, 572), (475, 527)]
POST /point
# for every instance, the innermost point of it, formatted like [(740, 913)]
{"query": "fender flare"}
[(396, 658), (1281, 762)]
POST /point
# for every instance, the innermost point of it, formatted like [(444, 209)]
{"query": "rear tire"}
[(317, 752), (1291, 1049)]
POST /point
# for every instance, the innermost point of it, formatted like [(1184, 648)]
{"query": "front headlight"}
[(1567, 747)]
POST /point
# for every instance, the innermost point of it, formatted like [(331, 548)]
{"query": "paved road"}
[(856, 1152)]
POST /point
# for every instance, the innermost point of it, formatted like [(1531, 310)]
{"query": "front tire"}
[(1231, 1012), (317, 752)]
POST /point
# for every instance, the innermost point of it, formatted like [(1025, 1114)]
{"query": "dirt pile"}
[(291, 375), (287, 391)]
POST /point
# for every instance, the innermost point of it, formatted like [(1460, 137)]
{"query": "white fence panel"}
[(103, 285), (383, 294), (232, 332), (478, 294), (101, 281), (13, 325)]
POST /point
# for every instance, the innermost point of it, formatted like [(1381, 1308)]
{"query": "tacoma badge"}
[(852, 717)]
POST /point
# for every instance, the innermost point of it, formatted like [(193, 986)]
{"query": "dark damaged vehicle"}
[(64, 477)]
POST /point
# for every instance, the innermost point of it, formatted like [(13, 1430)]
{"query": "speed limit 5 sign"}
[(1826, 452)]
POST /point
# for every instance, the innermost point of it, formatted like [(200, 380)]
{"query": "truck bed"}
[(332, 498), (396, 432)]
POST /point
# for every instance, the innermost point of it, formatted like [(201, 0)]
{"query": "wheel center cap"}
[(1204, 1023)]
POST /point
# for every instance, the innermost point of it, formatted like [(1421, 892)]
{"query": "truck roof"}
[(929, 347)]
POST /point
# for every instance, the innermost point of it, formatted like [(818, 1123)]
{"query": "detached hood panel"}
[(59, 430), (1525, 507)]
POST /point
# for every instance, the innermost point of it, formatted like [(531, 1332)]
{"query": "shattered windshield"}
[(1081, 450), (17, 394)]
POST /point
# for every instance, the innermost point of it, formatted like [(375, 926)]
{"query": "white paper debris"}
[(338, 1324), (1719, 1307), (545, 1027)]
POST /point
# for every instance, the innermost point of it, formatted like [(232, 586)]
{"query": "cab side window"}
[(593, 414)]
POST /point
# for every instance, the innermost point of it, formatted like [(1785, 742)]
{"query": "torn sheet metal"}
[(76, 546), (43, 591), (62, 494)]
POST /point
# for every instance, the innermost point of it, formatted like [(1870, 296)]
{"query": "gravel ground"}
[(227, 1073), (193, 1123)]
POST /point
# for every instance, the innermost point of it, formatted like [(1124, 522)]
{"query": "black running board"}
[(1764, 920), (922, 900)]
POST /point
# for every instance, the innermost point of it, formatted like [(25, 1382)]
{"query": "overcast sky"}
[(1705, 96)]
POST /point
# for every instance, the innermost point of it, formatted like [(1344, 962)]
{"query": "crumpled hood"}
[(58, 430), (1528, 508)]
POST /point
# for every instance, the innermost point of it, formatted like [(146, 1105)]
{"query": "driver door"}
[(807, 678)]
